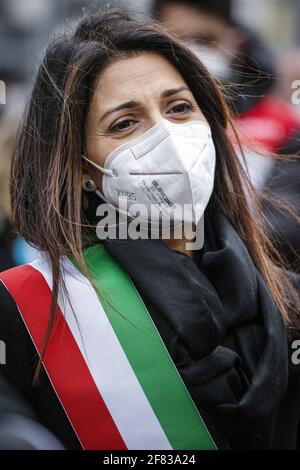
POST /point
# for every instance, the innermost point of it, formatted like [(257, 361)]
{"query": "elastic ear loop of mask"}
[(98, 192), (104, 171), (101, 195)]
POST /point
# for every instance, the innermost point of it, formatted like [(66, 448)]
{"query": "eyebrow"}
[(134, 104)]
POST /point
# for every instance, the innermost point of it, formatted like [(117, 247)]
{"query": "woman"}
[(144, 342)]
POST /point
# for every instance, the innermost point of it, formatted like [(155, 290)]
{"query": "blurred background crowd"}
[(251, 46)]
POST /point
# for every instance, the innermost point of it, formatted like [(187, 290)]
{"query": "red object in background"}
[(269, 124)]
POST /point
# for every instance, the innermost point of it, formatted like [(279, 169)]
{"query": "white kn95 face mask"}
[(170, 166)]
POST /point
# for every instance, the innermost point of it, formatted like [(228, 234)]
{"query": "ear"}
[(88, 184)]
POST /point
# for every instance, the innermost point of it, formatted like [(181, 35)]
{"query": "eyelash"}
[(113, 129)]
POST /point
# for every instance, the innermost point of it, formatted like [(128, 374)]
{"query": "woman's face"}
[(131, 96)]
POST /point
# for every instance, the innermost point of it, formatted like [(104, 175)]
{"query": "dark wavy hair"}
[(47, 168)]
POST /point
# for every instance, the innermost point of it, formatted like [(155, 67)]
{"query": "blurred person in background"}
[(124, 343), (232, 53), (6, 238), (267, 125), (287, 84), (13, 249)]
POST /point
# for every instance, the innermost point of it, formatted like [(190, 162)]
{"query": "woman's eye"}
[(122, 126), (181, 108)]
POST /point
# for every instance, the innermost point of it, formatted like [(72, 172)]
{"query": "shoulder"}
[(15, 283), (20, 286), (20, 292), (9, 281), (18, 275)]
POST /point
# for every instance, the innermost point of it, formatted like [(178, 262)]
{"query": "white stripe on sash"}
[(106, 360)]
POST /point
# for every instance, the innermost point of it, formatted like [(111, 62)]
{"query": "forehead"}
[(136, 77)]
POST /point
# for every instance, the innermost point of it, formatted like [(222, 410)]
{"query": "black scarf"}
[(220, 326)]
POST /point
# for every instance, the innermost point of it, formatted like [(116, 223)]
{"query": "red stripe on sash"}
[(63, 361)]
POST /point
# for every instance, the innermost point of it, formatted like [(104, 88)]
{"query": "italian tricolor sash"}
[(105, 358)]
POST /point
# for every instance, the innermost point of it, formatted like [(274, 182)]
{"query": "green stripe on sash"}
[(147, 354)]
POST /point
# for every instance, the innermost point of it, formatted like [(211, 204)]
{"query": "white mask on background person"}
[(168, 164), (217, 62)]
